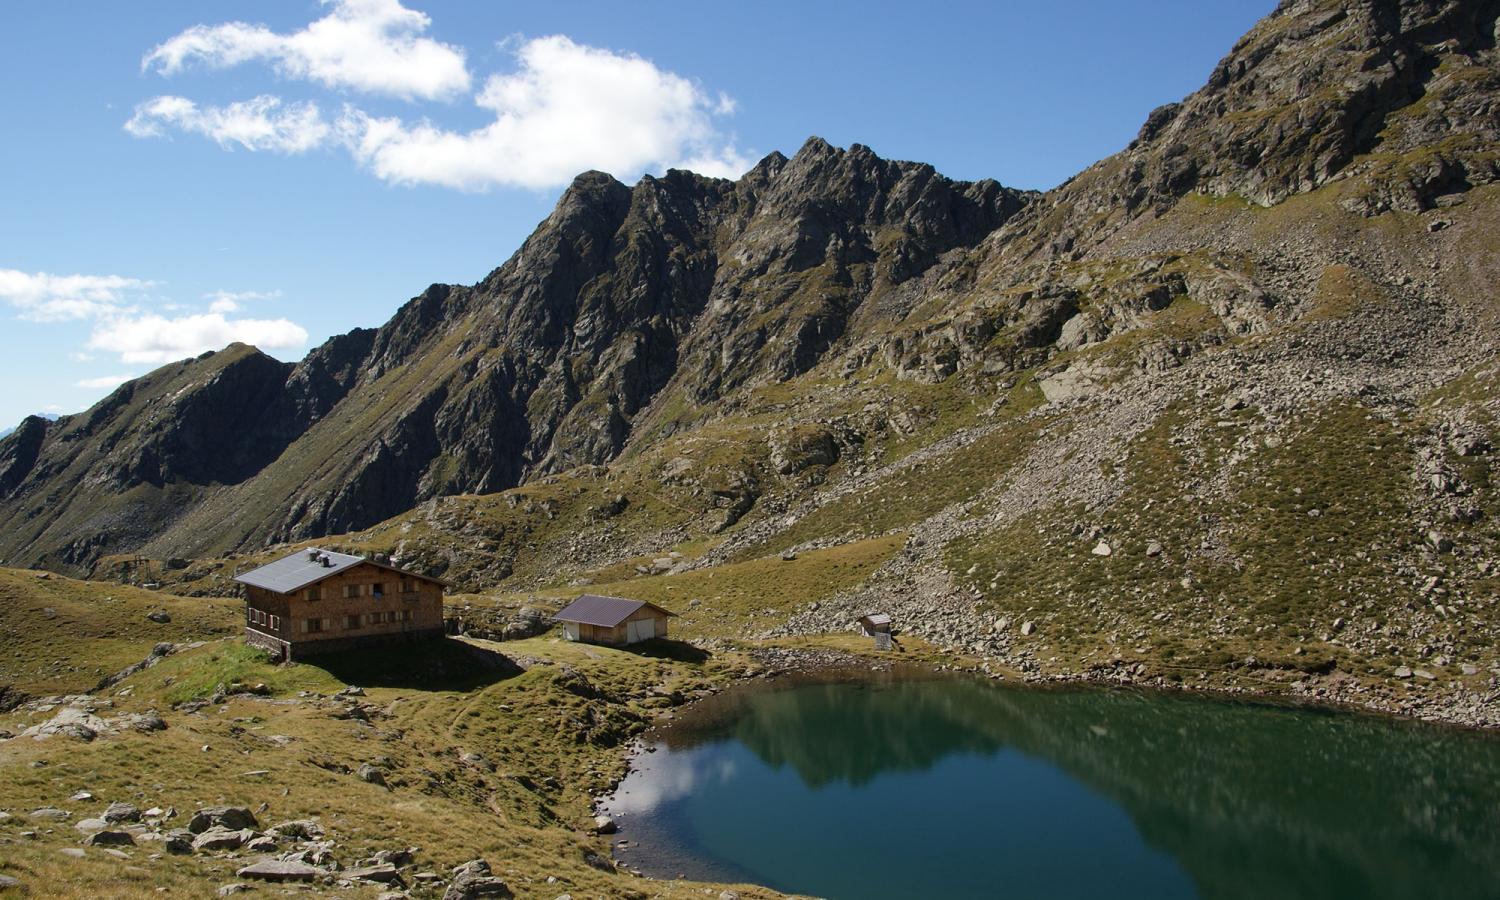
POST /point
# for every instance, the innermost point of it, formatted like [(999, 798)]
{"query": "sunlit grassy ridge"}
[(61, 635), (547, 740)]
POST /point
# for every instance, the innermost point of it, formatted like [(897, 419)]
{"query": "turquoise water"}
[(959, 788)]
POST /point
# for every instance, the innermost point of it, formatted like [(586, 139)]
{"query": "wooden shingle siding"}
[(363, 603)]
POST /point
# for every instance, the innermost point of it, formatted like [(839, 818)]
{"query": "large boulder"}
[(475, 879), (371, 774), (384, 873), (233, 818), (280, 870), (222, 839), (51, 812), (178, 841), (122, 812)]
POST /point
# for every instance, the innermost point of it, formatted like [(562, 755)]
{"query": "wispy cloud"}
[(566, 107), (262, 123), (154, 339), (104, 382), (230, 301), (373, 46), (136, 335), (44, 297)]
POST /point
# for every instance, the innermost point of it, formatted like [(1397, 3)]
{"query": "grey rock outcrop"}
[(279, 870), (229, 818), (473, 880)]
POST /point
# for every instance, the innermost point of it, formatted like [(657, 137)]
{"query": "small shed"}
[(612, 620), (875, 623)]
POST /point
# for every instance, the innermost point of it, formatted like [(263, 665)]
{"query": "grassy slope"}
[(61, 635), (551, 735)]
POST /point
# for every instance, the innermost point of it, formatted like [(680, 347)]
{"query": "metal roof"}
[(605, 612), (300, 569), (297, 571), (876, 619)]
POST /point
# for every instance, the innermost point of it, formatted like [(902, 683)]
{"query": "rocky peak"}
[(1397, 93), (18, 452)]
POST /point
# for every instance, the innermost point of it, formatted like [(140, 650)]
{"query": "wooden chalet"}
[(317, 601)]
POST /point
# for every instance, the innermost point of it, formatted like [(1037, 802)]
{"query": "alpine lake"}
[(899, 787)]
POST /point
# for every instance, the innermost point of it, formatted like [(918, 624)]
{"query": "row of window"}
[(374, 589), (378, 618), (261, 617), (353, 622)]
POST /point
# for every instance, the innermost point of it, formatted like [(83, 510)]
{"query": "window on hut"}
[(377, 590), (315, 592), (351, 622), (314, 625)]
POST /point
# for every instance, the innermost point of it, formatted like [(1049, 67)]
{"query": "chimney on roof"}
[(313, 553), (327, 562)]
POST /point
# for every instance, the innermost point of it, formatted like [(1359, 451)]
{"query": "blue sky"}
[(179, 174)]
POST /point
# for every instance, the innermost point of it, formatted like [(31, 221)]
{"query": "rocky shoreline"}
[(1458, 708)]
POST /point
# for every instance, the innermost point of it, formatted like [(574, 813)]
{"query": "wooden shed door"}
[(641, 630)]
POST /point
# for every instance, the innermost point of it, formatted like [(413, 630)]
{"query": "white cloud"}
[(104, 382), (569, 107), (374, 46), (43, 297), (263, 123), (231, 301), (565, 108), (153, 338)]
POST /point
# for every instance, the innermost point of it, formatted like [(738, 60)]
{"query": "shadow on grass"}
[(438, 664), (676, 651)]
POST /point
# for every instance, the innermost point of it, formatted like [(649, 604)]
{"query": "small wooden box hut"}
[(615, 621)]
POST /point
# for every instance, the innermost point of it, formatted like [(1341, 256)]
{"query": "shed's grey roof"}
[(297, 571), (876, 619), (605, 612)]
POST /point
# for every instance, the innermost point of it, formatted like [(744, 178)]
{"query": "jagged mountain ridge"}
[(541, 366)]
